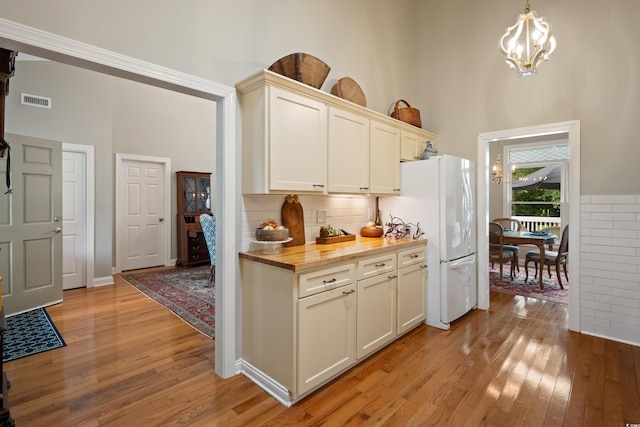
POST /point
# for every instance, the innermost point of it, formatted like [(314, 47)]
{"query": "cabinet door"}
[(384, 159), (412, 283), (411, 146), (326, 335), (376, 324), (297, 142), (348, 152)]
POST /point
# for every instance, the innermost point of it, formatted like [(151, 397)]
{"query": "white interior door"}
[(74, 219), (141, 205), (30, 225)]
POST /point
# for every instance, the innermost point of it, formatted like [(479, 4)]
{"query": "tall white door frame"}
[(121, 159), (46, 45), (90, 171), (572, 129)]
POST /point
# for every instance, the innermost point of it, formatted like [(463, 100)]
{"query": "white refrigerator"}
[(438, 195)]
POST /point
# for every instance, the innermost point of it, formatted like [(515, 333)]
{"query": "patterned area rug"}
[(551, 291), (30, 333), (185, 291)]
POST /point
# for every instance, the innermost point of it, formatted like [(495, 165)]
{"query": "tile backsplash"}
[(347, 212)]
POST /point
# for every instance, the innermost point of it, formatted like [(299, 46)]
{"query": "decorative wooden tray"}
[(336, 239)]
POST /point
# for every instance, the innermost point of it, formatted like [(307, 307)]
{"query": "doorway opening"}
[(21, 38), (570, 130)]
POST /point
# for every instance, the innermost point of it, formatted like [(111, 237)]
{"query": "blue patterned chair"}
[(208, 224)]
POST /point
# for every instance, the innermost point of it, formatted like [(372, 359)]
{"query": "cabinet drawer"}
[(373, 266), (323, 280), (412, 256)]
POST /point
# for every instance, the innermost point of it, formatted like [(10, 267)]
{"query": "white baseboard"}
[(102, 281)]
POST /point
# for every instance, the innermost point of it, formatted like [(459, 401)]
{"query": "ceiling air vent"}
[(36, 101)]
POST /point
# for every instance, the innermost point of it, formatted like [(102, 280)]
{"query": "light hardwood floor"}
[(130, 362)]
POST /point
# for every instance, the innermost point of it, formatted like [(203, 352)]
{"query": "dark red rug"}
[(551, 291), (186, 291)]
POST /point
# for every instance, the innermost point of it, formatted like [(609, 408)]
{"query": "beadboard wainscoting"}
[(610, 267), (347, 212)]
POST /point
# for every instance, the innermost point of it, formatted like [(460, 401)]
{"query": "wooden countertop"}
[(312, 255)]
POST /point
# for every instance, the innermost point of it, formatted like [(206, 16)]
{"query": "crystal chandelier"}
[(528, 43)]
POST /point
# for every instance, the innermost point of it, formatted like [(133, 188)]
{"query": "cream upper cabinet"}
[(412, 144), (348, 152), (285, 142), (296, 138), (297, 142), (384, 159)]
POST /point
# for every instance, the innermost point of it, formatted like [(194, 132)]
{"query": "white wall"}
[(465, 87), (115, 116)]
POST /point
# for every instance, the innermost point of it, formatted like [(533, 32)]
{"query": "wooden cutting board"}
[(293, 219)]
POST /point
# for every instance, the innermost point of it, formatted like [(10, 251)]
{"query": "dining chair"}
[(497, 252), (511, 224), (558, 258), (552, 230), (208, 224)]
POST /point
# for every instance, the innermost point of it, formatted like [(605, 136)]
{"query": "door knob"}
[(160, 219), (56, 219), (58, 229)]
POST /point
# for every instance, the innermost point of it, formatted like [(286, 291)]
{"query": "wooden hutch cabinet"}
[(194, 199)]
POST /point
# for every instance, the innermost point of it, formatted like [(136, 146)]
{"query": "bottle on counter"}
[(378, 220)]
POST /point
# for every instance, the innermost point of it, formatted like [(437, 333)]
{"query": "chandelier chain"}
[(527, 8)]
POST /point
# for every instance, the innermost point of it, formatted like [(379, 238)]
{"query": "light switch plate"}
[(370, 214), (322, 216)]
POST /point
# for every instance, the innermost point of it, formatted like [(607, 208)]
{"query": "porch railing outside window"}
[(537, 223)]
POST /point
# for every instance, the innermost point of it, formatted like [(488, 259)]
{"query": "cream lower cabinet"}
[(376, 325), (327, 330), (300, 330), (412, 276)]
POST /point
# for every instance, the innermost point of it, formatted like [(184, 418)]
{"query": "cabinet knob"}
[(348, 292), (160, 219), (380, 265), (326, 282)]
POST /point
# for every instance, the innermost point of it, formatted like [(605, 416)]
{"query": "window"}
[(536, 194)]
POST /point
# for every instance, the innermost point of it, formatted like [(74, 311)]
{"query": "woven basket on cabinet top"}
[(302, 67), (408, 115)]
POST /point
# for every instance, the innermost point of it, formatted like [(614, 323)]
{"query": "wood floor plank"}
[(129, 361)]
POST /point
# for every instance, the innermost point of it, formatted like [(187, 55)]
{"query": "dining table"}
[(531, 238)]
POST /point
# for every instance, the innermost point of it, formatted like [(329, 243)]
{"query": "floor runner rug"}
[(29, 333), (186, 291), (517, 286)]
